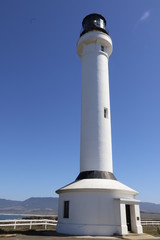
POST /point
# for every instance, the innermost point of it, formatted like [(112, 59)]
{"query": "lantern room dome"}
[(92, 22)]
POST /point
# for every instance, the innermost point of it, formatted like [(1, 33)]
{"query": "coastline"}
[(12, 216)]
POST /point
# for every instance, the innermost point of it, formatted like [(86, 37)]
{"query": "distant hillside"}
[(8, 203), (150, 207), (31, 205), (49, 205)]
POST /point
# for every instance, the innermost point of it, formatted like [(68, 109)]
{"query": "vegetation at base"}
[(152, 230), (36, 230), (51, 230)]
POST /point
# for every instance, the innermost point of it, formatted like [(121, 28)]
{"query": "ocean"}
[(11, 216)]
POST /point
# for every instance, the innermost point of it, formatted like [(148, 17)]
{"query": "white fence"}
[(150, 223), (47, 222), (31, 222)]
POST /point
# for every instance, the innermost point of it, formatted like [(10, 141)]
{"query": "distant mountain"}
[(49, 205), (8, 203), (31, 205), (150, 207)]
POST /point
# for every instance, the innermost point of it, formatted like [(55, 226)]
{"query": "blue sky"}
[(40, 94)]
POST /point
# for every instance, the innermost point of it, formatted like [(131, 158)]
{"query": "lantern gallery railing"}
[(30, 222)]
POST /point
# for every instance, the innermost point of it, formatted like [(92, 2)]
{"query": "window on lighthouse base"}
[(66, 209)]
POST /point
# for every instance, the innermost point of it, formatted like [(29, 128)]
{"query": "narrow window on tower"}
[(105, 112), (66, 209), (102, 48)]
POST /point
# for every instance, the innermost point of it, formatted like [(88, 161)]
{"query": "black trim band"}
[(95, 174)]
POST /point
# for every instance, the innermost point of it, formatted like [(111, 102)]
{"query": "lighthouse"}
[(96, 203)]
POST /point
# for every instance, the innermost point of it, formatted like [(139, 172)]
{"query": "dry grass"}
[(36, 230), (152, 230)]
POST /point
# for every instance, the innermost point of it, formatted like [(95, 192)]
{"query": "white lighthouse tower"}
[(96, 203)]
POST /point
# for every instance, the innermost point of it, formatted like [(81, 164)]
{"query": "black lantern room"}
[(92, 22)]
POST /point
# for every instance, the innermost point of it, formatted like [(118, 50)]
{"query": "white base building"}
[(98, 207)]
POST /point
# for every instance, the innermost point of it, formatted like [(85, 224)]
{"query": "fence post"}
[(45, 226), (30, 225), (15, 225)]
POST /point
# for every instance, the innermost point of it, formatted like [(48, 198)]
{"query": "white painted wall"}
[(136, 226), (123, 221), (136, 219), (96, 145), (93, 212)]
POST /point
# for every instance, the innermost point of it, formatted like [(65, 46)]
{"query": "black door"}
[(128, 217)]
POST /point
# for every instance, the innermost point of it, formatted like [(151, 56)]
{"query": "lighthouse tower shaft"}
[(96, 203), (94, 49)]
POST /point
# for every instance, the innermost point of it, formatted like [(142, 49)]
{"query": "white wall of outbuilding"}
[(97, 213)]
